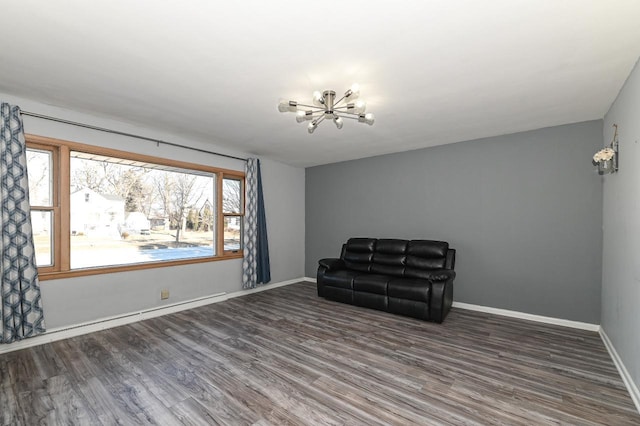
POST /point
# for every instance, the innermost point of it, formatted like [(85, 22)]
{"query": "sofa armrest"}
[(332, 264), (450, 262), (440, 275), (441, 293), (325, 265)]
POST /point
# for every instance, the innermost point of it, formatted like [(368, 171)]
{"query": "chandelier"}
[(325, 107)]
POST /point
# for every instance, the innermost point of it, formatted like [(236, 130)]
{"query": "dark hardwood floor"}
[(285, 356)]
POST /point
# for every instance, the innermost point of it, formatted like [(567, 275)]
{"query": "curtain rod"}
[(131, 135)]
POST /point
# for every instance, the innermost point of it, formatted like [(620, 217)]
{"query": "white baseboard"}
[(311, 280), (66, 332), (530, 317), (624, 373), (263, 288)]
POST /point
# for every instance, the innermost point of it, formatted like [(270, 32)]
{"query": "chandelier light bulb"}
[(369, 119), (366, 118), (312, 126), (353, 92), (318, 99), (339, 122), (302, 116), (287, 106)]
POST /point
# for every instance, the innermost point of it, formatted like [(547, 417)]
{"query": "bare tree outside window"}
[(231, 196), (39, 172), (130, 183), (187, 193)]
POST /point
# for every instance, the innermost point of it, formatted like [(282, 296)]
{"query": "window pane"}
[(41, 223), (39, 165), (232, 232), (124, 212), (231, 196)]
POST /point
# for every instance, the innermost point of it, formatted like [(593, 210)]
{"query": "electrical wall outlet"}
[(164, 294)]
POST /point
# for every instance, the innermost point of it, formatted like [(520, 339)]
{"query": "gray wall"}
[(524, 212), (77, 300), (621, 220)]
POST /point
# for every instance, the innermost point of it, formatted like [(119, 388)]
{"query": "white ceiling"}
[(432, 72)]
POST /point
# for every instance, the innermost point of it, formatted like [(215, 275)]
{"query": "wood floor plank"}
[(97, 398), (10, 411), (67, 406), (287, 357), (191, 412)]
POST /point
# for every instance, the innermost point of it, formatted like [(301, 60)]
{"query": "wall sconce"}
[(607, 158)]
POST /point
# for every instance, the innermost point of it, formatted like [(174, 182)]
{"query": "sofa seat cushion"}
[(370, 300), (372, 283), (418, 290), (410, 308), (341, 278)]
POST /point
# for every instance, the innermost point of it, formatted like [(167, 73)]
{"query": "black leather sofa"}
[(406, 277)]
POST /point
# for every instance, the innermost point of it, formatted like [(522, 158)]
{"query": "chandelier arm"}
[(320, 111), (312, 106), (339, 100), (345, 116), (348, 112)]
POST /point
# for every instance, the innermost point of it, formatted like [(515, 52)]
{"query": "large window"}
[(97, 210)]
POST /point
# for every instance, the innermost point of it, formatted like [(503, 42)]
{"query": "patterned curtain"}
[(255, 267), (20, 304)]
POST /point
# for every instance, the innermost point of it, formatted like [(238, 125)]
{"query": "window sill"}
[(44, 276)]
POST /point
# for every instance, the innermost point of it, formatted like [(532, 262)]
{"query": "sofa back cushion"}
[(400, 258), (423, 256), (358, 253), (390, 257)]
